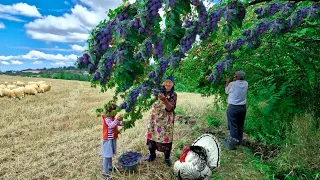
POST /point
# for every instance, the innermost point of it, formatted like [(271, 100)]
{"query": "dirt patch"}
[(261, 150), (190, 120)]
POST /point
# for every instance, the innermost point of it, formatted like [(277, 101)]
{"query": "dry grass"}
[(56, 135)]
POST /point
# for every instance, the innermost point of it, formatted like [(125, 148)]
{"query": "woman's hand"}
[(161, 97)]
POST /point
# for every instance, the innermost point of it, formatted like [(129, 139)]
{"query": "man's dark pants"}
[(236, 115)]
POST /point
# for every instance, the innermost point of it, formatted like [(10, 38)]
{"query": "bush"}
[(213, 122), (300, 156)]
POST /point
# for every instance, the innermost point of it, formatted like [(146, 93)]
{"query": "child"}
[(109, 136)]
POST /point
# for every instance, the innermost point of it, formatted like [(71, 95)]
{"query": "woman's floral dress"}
[(160, 125)]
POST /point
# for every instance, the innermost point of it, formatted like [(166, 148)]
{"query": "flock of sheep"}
[(19, 89)]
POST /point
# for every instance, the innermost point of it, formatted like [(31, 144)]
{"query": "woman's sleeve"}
[(173, 101)]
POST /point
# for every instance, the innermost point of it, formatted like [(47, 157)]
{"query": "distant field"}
[(56, 135)]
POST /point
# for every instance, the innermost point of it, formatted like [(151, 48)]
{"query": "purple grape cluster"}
[(236, 44), (136, 25), (152, 74), (246, 33), (139, 57), (120, 30), (273, 8), (229, 12), (103, 38), (187, 23), (129, 159), (84, 60), (187, 41), (228, 60), (158, 48), (145, 89), (120, 52), (123, 105), (261, 28), (172, 3), (234, 12), (300, 15), (147, 49), (132, 99), (203, 14), (214, 18), (313, 10), (277, 26), (175, 59), (153, 9), (219, 68), (107, 68), (161, 70), (217, 72), (123, 16), (287, 8), (212, 78)]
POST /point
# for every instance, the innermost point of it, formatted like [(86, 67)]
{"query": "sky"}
[(51, 33), (48, 33)]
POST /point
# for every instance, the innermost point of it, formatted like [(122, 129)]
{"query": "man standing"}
[(236, 112)]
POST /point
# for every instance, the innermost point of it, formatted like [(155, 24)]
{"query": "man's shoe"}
[(230, 143)]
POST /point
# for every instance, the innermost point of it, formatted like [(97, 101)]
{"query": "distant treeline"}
[(67, 73)]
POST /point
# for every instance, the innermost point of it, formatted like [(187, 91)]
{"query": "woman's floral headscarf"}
[(171, 78)]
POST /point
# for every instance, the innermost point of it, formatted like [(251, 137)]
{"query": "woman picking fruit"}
[(160, 124)]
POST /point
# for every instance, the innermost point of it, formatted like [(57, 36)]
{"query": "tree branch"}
[(261, 1)]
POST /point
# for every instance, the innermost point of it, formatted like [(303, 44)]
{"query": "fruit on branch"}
[(158, 48)]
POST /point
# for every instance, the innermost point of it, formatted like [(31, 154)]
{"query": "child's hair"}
[(111, 108)]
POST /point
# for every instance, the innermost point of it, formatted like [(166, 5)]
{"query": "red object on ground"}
[(183, 156)]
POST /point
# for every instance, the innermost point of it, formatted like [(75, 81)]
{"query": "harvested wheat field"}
[(57, 136)]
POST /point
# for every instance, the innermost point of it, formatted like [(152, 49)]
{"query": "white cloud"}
[(66, 2), (35, 55), (11, 18), (2, 26), (5, 63), (37, 62), (78, 48), (16, 62), (59, 64), (101, 5), (38, 55), (71, 27), (20, 9), (6, 57)]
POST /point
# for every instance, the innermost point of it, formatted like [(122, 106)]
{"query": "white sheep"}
[(30, 90), (9, 93), (6, 83), (19, 92), (1, 92), (3, 86), (36, 87), (11, 86), (45, 87), (19, 83)]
